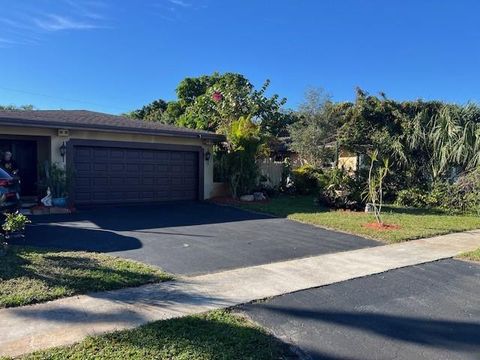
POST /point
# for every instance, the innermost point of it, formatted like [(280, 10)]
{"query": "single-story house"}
[(113, 159)]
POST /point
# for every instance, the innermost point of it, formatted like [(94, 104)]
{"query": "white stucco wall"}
[(57, 141)]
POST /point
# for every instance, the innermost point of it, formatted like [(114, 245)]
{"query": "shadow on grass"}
[(412, 211), (215, 335), (285, 205), (30, 275)]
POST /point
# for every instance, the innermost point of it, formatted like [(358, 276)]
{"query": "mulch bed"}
[(381, 227)]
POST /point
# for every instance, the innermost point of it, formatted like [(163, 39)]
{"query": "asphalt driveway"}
[(429, 311), (188, 238)]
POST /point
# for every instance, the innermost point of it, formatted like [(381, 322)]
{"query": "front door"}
[(25, 155)]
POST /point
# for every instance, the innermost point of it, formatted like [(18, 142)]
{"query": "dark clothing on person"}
[(10, 166)]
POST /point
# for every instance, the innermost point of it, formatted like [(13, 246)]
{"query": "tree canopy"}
[(212, 102)]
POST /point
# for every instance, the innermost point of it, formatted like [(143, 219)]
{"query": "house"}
[(113, 159)]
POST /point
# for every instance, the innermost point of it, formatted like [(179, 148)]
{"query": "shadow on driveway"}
[(189, 237), (426, 311)]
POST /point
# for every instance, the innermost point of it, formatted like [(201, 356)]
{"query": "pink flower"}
[(217, 96)]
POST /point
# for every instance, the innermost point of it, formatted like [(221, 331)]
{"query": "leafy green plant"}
[(316, 126), (340, 190), (414, 197), (15, 222), (308, 180), (462, 196), (376, 177), (244, 144), (56, 178)]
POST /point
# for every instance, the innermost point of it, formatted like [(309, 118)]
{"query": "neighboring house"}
[(350, 161), (113, 159)]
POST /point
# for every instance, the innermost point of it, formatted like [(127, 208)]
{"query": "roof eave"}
[(108, 128)]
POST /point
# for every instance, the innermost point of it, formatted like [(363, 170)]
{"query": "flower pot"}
[(59, 202)]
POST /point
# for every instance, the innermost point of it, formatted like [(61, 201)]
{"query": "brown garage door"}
[(120, 174)]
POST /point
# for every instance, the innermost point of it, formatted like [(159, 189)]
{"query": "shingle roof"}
[(83, 119)]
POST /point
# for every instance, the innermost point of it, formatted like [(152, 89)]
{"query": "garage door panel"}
[(116, 175), (133, 154)]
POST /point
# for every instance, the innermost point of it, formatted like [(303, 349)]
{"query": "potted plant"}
[(56, 179), (13, 226)]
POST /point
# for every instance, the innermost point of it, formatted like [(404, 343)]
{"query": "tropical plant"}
[(212, 102), (244, 145), (340, 190), (56, 178), (376, 177)]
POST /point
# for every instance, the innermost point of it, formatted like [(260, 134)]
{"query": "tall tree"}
[(212, 102), (316, 127), (151, 112), (15, 107)]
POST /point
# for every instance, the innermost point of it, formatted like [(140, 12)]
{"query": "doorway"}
[(25, 155)]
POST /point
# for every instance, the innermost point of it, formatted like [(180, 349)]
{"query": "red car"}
[(9, 195)]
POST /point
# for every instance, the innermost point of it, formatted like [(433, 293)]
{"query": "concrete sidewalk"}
[(69, 320)]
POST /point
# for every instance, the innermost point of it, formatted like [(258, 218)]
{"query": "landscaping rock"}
[(369, 208), (247, 198)]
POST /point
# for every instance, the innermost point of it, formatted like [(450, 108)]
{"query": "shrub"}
[(465, 193), (308, 179), (15, 222), (463, 196), (244, 145), (413, 197), (341, 191)]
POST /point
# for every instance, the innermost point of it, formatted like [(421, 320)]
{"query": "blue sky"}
[(116, 55)]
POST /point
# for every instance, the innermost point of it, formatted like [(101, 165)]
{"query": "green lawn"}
[(413, 223), (31, 275), (215, 335), (472, 255)]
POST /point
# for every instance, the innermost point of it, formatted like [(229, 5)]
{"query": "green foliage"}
[(413, 197), (15, 222), (316, 126), (151, 112), (32, 275), (15, 107), (308, 179), (413, 223), (215, 335), (244, 146), (340, 190), (212, 102), (471, 255), (426, 142), (56, 178), (463, 196)]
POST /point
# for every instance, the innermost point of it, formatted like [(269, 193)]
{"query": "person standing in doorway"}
[(9, 164)]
